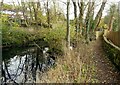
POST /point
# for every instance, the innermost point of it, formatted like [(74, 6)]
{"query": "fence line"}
[(113, 37)]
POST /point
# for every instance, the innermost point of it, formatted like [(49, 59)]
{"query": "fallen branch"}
[(37, 45)]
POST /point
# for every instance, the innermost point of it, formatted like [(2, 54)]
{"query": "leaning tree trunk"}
[(99, 15)]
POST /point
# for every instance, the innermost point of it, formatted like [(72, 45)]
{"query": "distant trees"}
[(112, 18), (33, 13)]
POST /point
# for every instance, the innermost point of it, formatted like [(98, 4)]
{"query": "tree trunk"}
[(80, 21), (35, 13), (55, 11), (119, 16), (99, 15), (75, 15), (31, 16), (111, 23), (68, 29), (48, 14), (87, 20), (24, 15)]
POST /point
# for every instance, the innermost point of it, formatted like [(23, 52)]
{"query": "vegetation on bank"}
[(112, 53), (14, 35)]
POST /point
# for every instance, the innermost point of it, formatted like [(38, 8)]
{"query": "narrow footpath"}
[(105, 70)]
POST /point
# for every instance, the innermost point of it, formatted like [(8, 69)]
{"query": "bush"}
[(14, 36), (54, 38)]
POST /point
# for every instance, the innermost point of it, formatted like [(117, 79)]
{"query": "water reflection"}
[(22, 66)]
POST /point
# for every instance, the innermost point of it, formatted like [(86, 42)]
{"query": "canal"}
[(22, 65)]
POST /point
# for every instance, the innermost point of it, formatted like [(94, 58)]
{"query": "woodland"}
[(60, 41)]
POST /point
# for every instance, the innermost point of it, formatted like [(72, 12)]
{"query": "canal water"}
[(22, 65)]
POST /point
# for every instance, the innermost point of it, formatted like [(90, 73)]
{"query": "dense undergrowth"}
[(72, 67), (113, 54)]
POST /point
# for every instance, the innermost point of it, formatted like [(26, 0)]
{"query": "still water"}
[(22, 65)]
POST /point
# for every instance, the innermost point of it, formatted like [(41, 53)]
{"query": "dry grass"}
[(73, 67)]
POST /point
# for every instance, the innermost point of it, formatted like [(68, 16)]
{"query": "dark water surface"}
[(21, 65)]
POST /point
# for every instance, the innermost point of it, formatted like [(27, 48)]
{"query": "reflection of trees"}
[(26, 69), (3, 74), (12, 77), (33, 61), (19, 68), (6, 73)]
